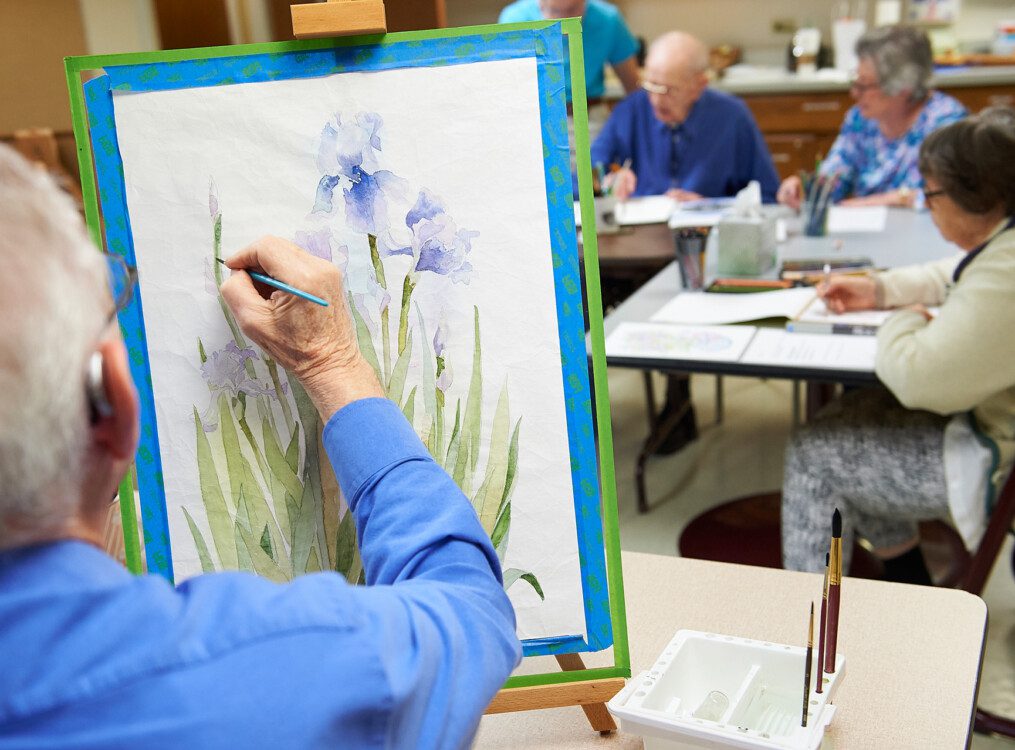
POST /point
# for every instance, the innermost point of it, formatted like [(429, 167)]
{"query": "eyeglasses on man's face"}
[(660, 89), (122, 278), (928, 194)]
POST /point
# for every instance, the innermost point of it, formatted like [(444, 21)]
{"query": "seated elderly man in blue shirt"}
[(91, 656), (679, 137)]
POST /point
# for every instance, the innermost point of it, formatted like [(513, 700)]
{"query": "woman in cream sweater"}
[(939, 439)]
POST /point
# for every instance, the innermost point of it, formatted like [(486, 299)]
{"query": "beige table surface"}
[(913, 653)]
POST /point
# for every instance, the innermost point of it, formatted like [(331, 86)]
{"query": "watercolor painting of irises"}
[(441, 212), (271, 500)]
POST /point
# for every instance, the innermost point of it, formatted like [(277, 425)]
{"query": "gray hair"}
[(973, 160), (55, 307), (902, 58)]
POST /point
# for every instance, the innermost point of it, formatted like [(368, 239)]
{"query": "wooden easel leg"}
[(596, 713)]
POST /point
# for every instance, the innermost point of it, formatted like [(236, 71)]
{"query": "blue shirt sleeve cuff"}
[(364, 437)]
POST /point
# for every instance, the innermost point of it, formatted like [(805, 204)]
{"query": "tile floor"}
[(743, 456)]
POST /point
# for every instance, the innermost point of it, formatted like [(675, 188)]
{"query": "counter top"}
[(776, 81)]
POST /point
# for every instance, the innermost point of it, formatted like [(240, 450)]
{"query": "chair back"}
[(999, 524)]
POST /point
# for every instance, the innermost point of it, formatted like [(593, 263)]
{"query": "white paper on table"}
[(660, 341), (706, 308), (775, 346), (699, 213), (648, 209), (818, 312), (857, 219)]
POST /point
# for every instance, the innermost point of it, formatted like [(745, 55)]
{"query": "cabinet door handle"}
[(820, 106)]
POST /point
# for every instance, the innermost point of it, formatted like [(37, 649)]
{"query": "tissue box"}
[(746, 245)]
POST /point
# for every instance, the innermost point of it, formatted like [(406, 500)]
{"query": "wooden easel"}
[(346, 18)]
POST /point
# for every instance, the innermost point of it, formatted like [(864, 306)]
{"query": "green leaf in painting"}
[(429, 377), (304, 531), (471, 422), (512, 467), (314, 563), (409, 407), (456, 440), (366, 344), (283, 474), (396, 386), (259, 560), (292, 452), (345, 544), (530, 578), (488, 500), (219, 520), (202, 548), (265, 543), (512, 575), (500, 530)]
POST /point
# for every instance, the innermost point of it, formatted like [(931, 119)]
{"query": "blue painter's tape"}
[(320, 62), (546, 45), (119, 240), (550, 73)]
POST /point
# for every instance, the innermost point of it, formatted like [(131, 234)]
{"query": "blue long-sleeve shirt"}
[(92, 657), (715, 152)]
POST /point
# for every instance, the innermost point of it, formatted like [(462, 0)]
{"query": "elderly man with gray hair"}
[(874, 159), (678, 136), (92, 657)]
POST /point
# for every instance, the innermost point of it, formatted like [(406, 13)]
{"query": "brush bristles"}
[(837, 524)]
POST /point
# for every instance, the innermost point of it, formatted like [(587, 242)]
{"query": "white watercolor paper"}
[(845, 219), (461, 147), (774, 346), (657, 341), (709, 308)]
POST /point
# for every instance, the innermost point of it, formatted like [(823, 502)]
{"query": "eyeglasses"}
[(660, 90), (928, 194), (862, 88), (122, 280)]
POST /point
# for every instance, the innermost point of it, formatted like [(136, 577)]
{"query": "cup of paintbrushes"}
[(817, 198)]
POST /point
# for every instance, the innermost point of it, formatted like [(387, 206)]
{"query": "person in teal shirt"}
[(605, 36)]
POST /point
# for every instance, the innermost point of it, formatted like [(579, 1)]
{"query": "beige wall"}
[(34, 39), (747, 23)]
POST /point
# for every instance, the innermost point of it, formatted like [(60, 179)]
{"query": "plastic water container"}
[(717, 691)]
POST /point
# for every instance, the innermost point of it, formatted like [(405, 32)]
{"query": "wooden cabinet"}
[(976, 98), (799, 128), (793, 152)]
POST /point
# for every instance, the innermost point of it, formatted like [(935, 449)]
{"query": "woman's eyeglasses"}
[(862, 88)]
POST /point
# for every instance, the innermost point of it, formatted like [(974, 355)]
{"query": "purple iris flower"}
[(438, 245), (225, 372), (349, 148), (321, 243)]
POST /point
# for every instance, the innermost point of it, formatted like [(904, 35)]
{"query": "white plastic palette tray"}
[(718, 691)]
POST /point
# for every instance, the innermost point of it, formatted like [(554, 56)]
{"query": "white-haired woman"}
[(874, 159)]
